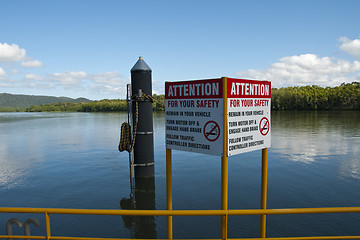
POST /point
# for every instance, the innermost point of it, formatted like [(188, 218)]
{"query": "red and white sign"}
[(193, 115), (249, 103)]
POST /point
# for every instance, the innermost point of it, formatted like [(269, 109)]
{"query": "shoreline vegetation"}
[(343, 97)]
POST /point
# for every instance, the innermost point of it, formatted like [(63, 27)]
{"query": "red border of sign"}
[(199, 94), (246, 88)]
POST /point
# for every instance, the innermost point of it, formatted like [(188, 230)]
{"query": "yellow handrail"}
[(231, 212), (48, 211)]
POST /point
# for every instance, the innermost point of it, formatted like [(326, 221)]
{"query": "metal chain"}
[(125, 137)]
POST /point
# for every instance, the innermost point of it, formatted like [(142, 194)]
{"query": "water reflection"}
[(142, 197), (25, 141), (11, 173), (351, 167), (14, 166), (311, 136)]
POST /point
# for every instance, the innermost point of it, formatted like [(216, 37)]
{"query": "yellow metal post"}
[(264, 169), (224, 165), (169, 192), (48, 231)]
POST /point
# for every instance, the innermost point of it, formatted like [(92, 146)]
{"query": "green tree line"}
[(12, 109), (345, 96), (105, 105), (23, 101)]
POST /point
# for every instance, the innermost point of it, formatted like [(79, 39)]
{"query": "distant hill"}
[(24, 101)]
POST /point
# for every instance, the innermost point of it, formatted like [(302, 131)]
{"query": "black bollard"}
[(144, 141)]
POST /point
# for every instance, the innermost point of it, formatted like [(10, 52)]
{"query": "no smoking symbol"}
[(211, 131), (264, 126)]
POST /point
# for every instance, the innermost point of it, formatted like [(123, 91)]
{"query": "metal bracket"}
[(144, 133), (143, 164)]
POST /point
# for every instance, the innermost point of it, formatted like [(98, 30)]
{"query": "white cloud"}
[(158, 87), (352, 47), (111, 83), (15, 71), (69, 79), (114, 92), (2, 72), (31, 76), (306, 69), (11, 53), (108, 78), (31, 64)]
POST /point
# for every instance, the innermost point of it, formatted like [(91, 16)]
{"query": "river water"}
[(70, 160)]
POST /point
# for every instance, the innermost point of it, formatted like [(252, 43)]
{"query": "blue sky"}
[(87, 48)]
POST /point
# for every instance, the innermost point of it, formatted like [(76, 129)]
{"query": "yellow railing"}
[(223, 213)]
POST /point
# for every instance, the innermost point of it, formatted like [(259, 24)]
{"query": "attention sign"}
[(195, 115), (248, 118)]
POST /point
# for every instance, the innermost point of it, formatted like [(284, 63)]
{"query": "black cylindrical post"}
[(144, 142)]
